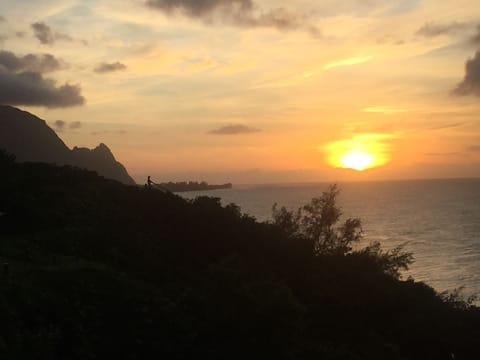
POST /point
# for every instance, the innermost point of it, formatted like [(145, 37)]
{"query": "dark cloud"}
[(201, 8), (471, 82), (2, 19), (59, 125), (110, 67), (473, 148), (45, 34), (30, 88), (75, 125), (432, 29), (35, 63), (20, 34), (234, 129), (236, 12)]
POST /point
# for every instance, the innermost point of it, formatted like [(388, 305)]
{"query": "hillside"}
[(96, 269), (31, 139)]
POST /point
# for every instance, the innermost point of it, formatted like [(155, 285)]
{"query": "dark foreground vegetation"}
[(92, 269)]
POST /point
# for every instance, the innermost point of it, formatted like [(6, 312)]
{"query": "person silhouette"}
[(149, 183)]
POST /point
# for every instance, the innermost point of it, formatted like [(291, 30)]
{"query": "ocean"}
[(437, 220)]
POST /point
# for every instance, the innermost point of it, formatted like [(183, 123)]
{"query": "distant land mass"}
[(184, 186), (30, 139)]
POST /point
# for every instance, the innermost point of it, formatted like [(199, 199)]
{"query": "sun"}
[(356, 160), (361, 152)]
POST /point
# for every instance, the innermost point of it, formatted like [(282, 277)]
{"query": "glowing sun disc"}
[(356, 160)]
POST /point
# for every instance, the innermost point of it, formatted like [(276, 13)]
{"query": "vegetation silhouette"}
[(98, 269)]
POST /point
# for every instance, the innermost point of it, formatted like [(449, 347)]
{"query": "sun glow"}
[(356, 160), (360, 153)]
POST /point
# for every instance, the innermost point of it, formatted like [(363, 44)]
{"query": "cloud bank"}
[(471, 82), (234, 129), (110, 67), (22, 82), (36, 63), (243, 13)]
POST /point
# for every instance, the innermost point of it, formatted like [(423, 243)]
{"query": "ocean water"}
[(437, 220)]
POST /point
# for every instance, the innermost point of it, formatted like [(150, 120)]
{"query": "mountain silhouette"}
[(29, 138)]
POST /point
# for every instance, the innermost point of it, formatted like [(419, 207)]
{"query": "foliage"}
[(317, 222), (456, 299), (102, 270)]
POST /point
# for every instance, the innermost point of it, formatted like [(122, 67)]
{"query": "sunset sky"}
[(253, 91)]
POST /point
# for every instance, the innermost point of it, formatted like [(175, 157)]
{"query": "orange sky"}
[(251, 91)]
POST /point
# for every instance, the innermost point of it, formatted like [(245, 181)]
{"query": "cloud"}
[(347, 62), (35, 63), (31, 88), (110, 67), (2, 19), (476, 38), (234, 129), (45, 35), (59, 125), (433, 30), (447, 154), (471, 82), (243, 13), (447, 126), (75, 125), (473, 148), (385, 109)]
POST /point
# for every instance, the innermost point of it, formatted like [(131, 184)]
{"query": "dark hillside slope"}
[(31, 139), (97, 269)]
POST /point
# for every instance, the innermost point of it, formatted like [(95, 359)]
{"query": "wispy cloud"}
[(473, 148), (61, 125), (437, 29), (110, 67), (244, 13), (347, 62), (385, 109), (234, 129), (75, 125), (475, 39), (447, 126)]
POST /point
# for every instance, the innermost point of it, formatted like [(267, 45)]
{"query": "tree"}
[(318, 223)]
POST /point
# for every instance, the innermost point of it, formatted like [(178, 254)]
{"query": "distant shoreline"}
[(178, 187)]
